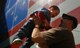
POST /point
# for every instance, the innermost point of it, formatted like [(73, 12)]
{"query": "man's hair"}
[(69, 17), (55, 7)]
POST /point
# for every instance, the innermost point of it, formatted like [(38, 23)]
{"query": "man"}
[(44, 16), (60, 37)]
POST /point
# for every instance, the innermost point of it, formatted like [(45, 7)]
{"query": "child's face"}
[(53, 12)]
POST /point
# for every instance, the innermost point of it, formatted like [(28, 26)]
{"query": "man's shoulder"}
[(59, 29)]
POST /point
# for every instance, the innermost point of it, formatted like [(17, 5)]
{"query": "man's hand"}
[(37, 20), (43, 24), (46, 24)]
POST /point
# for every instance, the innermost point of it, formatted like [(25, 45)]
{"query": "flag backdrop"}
[(16, 12)]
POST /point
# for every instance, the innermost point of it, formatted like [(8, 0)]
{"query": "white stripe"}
[(36, 6), (76, 33)]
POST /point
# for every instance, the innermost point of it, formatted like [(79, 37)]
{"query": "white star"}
[(12, 13), (15, 18), (23, 2)]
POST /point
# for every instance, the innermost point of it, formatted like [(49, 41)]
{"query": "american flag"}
[(16, 12)]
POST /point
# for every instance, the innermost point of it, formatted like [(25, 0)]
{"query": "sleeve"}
[(44, 20), (54, 36), (41, 15), (26, 29)]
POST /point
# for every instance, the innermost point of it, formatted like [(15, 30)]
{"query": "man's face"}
[(53, 12), (67, 23)]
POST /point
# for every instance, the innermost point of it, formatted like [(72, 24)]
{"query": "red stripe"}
[(78, 46), (31, 2), (17, 27), (76, 13), (56, 22)]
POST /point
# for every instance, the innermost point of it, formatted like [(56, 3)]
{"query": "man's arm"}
[(36, 35), (50, 36)]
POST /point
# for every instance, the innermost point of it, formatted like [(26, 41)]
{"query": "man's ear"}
[(61, 23)]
